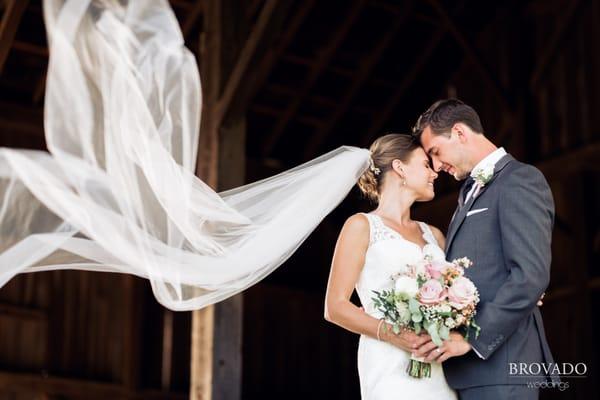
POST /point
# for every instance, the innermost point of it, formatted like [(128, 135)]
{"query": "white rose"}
[(406, 285)]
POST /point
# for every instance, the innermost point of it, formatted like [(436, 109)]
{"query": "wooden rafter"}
[(503, 134), (259, 33), (392, 103), (274, 113), (13, 12), (314, 74), (274, 54), (29, 48), (363, 74), (192, 17), (315, 98), (553, 44), (473, 55)]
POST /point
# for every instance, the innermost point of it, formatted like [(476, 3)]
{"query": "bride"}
[(370, 248)]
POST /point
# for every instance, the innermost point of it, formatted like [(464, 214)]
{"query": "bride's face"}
[(420, 176)]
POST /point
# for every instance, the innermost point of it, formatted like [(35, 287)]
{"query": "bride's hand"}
[(406, 340)]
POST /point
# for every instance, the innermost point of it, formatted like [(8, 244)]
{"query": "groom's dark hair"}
[(443, 114)]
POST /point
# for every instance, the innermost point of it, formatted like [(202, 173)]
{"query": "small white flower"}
[(450, 323), (445, 308), (483, 175), (406, 285)]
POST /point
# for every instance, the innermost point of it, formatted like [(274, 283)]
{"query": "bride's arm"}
[(346, 266)]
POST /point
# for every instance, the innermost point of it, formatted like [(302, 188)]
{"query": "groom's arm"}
[(526, 217)]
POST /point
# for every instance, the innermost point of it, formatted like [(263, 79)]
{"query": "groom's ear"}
[(461, 132)]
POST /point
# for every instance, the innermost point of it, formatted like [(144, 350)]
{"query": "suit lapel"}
[(462, 214)]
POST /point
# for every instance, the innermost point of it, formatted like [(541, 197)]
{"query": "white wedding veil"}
[(117, 191)]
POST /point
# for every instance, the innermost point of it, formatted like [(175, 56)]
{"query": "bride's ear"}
[(398, 167)]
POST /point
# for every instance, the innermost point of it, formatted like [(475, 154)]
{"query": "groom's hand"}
[(454, 346)]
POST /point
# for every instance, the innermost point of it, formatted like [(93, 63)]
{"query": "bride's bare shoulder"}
[(356, 224)]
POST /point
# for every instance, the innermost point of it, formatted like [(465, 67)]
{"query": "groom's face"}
[(446, 152)]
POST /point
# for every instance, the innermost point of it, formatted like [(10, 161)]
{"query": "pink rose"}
[(436, 268), (462, 293), (432, 292)]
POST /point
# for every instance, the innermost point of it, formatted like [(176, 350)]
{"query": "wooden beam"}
[(325, 57), (260, 32), (274, 53), (77, 388), (563, 293), (382, 117), (201, 369), (274, 113), (364, 72), (167, 350), (13, 12), (502, 135), (192, 16), (30, 48), (473, 55), (202, 354), (131, 330), (289, 92), (554, 43), (23, 313), (584, 158)]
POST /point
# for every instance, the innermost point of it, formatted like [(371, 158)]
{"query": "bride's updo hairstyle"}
[(384, 150)]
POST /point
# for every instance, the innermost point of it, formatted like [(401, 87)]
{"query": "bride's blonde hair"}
[(384, 150)]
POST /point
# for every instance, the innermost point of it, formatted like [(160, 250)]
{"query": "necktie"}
[(466, 189)]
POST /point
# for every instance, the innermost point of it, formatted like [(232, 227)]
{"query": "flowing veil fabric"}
[(117, 192)]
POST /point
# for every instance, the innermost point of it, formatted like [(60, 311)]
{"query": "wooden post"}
[(201, 373), (228, 63)]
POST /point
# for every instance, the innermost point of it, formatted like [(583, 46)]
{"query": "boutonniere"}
[(483, 175)]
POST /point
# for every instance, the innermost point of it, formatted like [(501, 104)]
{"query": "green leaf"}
[(414, 306), (417, 317), (417, 327), (444, 332), (433, 331)]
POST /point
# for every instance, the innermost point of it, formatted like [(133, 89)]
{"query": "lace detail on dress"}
[(378, 231)]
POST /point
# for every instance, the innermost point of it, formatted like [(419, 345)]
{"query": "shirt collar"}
[(490, 159)]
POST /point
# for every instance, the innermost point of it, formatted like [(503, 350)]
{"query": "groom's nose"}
[(437, 165)]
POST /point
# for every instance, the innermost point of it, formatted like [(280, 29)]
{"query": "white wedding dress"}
[(382, 366)]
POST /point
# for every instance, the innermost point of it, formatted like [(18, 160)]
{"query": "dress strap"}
[(428, 233)]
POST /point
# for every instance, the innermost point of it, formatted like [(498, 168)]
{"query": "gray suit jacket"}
[(509, 244)]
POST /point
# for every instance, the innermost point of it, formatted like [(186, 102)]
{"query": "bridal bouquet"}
[(431, 295)]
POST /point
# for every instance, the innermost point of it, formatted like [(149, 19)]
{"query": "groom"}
[(503, 223)]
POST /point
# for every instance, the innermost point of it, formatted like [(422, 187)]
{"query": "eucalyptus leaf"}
[(444, 332), (433, 331), (414, 306)]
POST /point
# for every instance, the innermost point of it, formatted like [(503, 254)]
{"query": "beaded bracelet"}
[(379, 328)]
